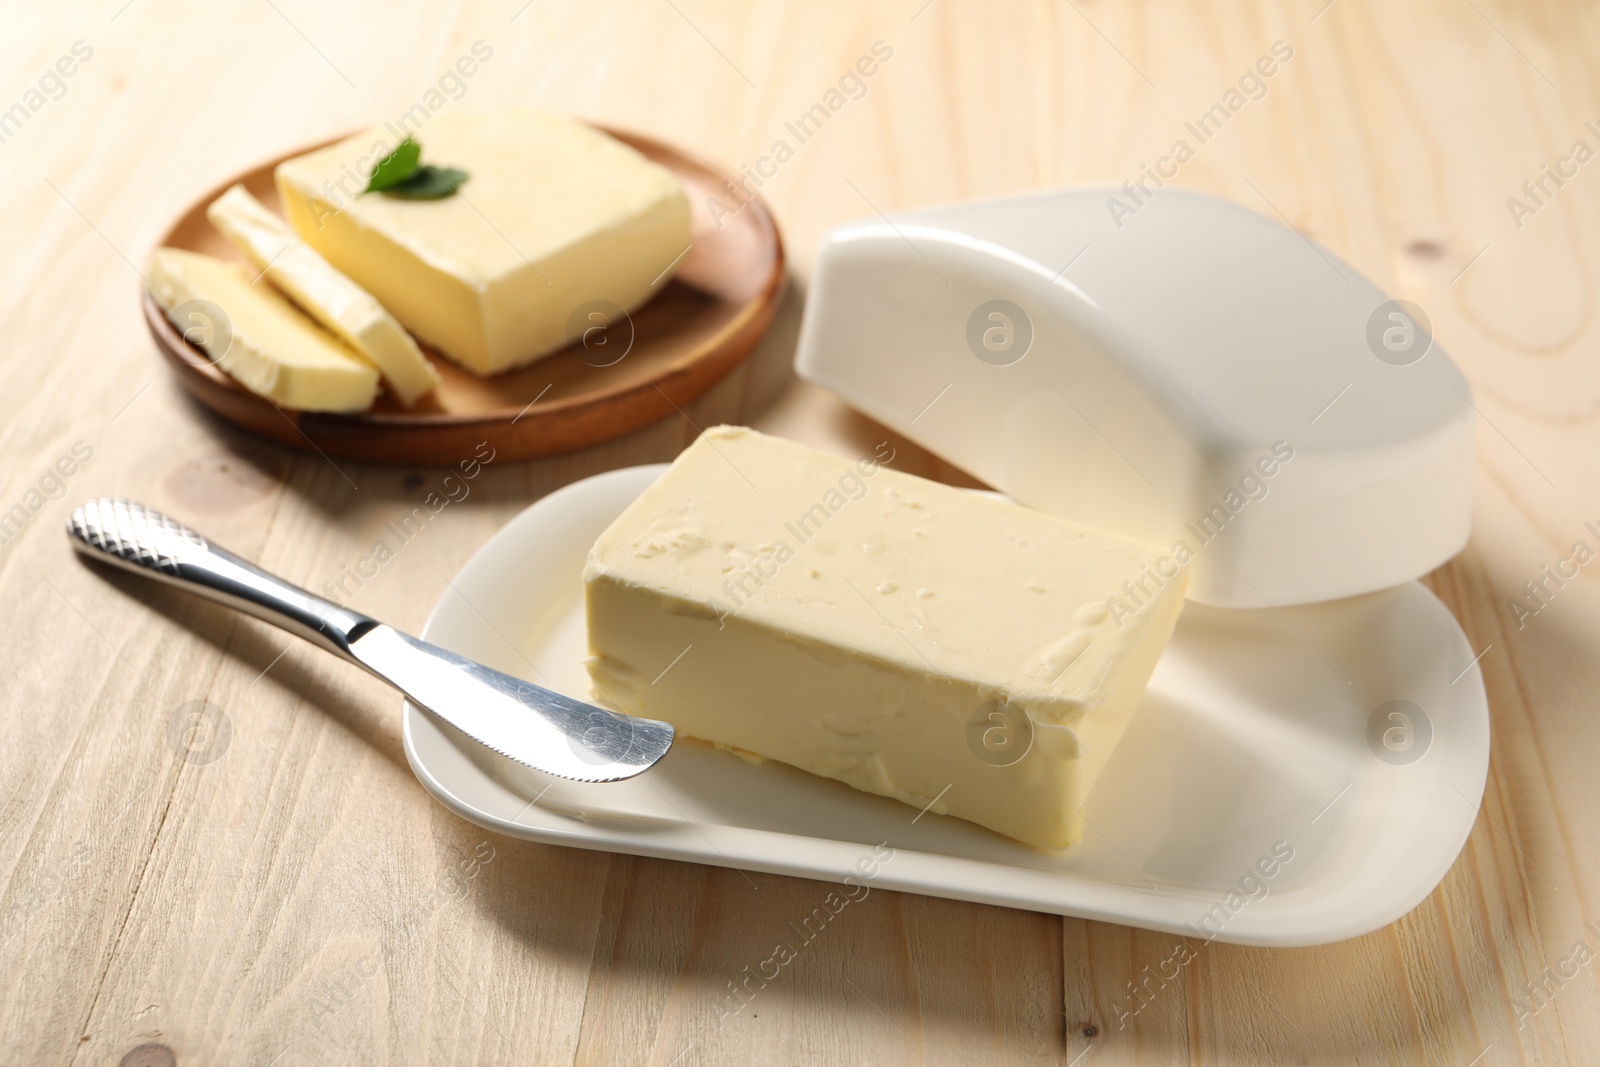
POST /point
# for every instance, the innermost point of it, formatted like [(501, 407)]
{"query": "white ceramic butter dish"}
[(1191, 373), (1289, 778)]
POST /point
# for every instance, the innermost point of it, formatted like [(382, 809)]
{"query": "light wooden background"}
[(300, 900)]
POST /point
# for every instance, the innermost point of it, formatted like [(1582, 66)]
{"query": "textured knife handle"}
[(135, 534), (129, 535)]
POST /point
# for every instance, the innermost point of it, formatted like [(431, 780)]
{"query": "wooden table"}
[(294, 897)]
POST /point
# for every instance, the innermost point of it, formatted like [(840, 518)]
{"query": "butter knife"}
[(521, 721)]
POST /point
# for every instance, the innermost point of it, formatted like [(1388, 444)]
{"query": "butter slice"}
[(266, 343), (554, 216), (324, 293), (949, 649)]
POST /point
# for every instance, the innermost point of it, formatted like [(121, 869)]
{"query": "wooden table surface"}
[(291, 895)]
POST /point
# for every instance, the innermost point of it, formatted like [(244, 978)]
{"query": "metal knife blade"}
[(572, 739)]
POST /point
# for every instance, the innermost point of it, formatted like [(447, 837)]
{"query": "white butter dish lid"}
[(1189, 373)]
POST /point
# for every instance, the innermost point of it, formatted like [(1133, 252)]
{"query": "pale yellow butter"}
[(913, 640), (259, 338), (324, 293), (555, 220)]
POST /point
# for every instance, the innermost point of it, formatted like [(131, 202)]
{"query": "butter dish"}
[(1263, 794), (1190, 373)]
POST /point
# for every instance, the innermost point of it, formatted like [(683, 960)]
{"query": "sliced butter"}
[(556, 220), (324, 293), (948, 649), (260, 339)]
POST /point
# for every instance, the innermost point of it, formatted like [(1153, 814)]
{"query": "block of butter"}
[(325, 294), (555, 220), (949, 649), (257, 336)]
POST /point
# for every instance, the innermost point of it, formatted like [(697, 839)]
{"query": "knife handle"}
[(136, 538)]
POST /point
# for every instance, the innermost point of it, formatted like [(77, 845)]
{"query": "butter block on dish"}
[(945, 648), (259, 338), (327, 295), (554, 215)]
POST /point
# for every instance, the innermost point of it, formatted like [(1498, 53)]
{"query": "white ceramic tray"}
[(1260, 736)]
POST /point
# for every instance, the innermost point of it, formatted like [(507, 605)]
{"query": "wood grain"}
[(294, 897)]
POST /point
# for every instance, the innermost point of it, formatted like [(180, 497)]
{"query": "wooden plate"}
[(697, 329)]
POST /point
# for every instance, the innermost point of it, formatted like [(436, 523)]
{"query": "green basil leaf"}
[(428, 183), (395, 167)]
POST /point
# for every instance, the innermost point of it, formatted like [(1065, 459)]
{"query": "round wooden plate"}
[(691, 334)]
